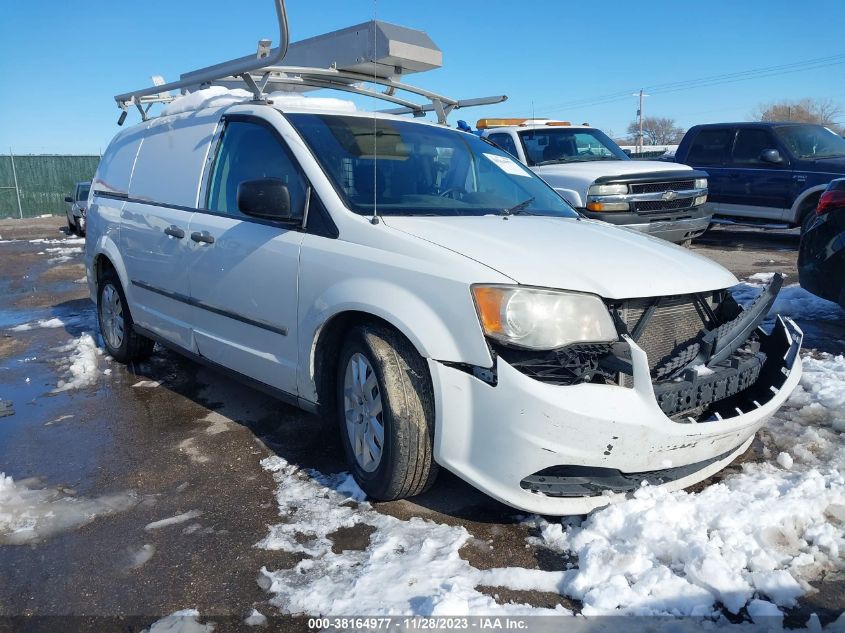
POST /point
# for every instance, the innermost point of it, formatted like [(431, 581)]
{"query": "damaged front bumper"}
[(561, 450)]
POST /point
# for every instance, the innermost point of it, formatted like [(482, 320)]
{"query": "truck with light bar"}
[(594, 175)]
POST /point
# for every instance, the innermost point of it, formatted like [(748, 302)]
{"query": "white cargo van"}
[(433, 296)]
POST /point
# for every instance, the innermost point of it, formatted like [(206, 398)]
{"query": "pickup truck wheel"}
[(385, 408), (116, 325), (71, 228)]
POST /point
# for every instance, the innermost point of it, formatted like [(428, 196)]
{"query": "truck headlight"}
[(701, 183), (536, 318), (607, 190)]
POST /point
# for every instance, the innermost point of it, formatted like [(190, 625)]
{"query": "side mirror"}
[(771, 156), (69, 199), (267, 198)]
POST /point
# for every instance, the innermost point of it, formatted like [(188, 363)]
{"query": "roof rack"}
[(344, 60)]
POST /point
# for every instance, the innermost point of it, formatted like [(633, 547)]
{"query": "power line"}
[(712, 80)]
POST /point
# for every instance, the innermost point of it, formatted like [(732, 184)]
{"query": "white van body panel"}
[(162, 195)]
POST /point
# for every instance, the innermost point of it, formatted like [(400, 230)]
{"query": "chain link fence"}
[(40, 182)]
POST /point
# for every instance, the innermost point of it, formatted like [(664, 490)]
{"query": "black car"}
[(821, 258)]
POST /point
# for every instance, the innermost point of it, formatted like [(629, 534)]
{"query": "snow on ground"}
[(754, 540), (409, 567), (29, 514), (40, 323), (80, 366), (184, 621), (792, 301), (218, 96), (179, 518)]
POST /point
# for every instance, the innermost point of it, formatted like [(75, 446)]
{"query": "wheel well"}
[(326, 349), (102, 264), (808, 205)]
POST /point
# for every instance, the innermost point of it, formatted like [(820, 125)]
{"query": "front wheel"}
[(385, 406), (116, 326)]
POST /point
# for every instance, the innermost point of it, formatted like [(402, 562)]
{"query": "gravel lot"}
[(149, 487)]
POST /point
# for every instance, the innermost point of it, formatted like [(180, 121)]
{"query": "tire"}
[(111, 305), (399, 377), (71, 228)]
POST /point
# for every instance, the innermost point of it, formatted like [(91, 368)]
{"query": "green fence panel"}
[(43, 182)]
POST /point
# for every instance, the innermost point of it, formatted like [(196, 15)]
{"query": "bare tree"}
[(823, 111), (656, 131)]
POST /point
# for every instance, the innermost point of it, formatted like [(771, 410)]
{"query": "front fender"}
[(415, 316), (572, 197), (105, 246)]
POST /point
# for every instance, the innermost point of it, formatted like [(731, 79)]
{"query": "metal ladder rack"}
[(348, 54)]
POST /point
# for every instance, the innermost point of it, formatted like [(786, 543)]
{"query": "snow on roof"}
[(218, 97)]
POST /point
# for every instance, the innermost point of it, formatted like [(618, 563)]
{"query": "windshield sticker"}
[(507, 165)]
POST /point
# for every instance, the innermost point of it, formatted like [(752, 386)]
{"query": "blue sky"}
[(61, 62)]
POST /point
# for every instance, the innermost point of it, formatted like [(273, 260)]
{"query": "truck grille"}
[(654, 187), (652, 206), (675, 324)]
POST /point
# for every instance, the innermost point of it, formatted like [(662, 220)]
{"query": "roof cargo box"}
[(372, 48)]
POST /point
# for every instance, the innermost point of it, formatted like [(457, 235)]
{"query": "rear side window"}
[(710, 147), (505, 141), (749, 145), (249, 151)]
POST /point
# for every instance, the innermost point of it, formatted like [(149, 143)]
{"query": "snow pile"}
[(409, 567), (792, 301), (40, 323), (212, 97), (28, 514), (71, 240), (218, 97), (80, 365), (184, 621), (755, 539)]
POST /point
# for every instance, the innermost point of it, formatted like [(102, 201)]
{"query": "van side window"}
[(505, 141), (249, 151), (710, 147)]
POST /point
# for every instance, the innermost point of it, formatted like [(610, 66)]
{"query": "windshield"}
[(811, 141), (406, 168), (83, 192), (550, 145)]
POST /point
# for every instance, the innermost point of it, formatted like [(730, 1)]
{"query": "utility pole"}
[(15, 178), (640, 118)]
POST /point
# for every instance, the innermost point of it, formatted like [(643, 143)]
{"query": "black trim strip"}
[(653, 176), (199, 304), (327, 228), (284, 396)]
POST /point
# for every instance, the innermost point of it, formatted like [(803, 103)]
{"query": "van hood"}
[(571, 254)]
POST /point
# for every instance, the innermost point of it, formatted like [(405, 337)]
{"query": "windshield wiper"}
[(519, 207)]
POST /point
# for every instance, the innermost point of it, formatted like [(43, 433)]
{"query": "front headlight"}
[(536, 318), (607, 190), (701, 183)]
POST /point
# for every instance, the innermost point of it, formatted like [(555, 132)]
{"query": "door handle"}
[(202, 236), (174, 231)]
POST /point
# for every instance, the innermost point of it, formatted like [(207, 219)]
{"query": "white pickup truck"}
[(601, 181)]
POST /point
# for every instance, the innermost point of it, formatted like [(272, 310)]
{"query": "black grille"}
[(654, 187), (650, 206), (565, 366), (674, 324)]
